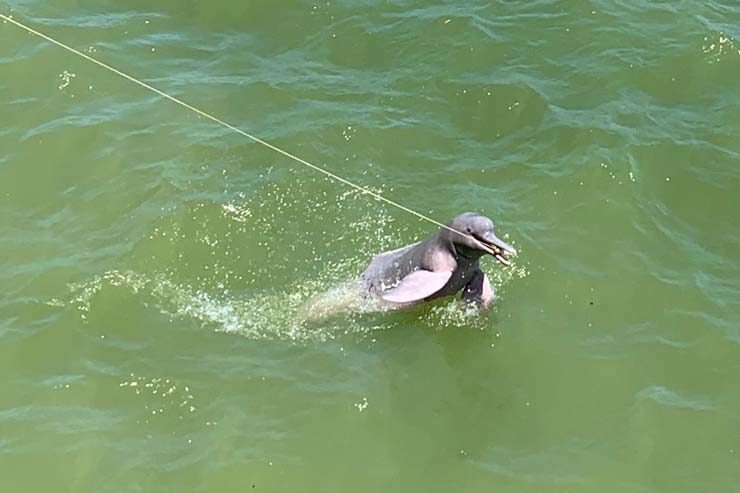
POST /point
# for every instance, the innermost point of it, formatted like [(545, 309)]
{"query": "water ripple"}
[(669, 398)]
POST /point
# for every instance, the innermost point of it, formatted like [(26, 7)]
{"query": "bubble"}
[(719, 46), (362, 405), (66, 77), (159, 398)]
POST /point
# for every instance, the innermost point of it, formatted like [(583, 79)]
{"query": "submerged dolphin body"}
[(443, 265)]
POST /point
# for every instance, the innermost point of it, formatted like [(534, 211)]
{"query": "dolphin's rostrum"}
[(443, 265)]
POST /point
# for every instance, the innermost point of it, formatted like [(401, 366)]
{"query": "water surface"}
[(153, 265)]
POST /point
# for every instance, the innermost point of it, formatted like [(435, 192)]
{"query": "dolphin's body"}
[(442, 265)]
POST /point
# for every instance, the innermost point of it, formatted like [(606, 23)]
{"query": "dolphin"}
[(442, 265)]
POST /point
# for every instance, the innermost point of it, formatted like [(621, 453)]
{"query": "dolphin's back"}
[(384, 269)]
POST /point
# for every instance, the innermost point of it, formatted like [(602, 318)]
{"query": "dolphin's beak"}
[(499, 249)]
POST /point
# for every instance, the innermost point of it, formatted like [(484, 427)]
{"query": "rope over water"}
[(202, 113)]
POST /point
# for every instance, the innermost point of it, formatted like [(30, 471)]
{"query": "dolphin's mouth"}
[(500, 250)]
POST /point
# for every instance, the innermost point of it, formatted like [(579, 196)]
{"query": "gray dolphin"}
[(442, 265)]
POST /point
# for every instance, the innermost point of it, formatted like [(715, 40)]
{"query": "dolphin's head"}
[(477, 238)]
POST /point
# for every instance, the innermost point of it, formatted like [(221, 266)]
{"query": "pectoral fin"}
[(479, 290), (417, 286)]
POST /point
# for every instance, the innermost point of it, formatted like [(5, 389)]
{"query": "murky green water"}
[(155, 267)]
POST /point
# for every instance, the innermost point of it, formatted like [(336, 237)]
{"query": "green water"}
[(155, 267)]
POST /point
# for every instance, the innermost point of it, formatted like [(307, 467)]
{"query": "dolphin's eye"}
[(468, 229)]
